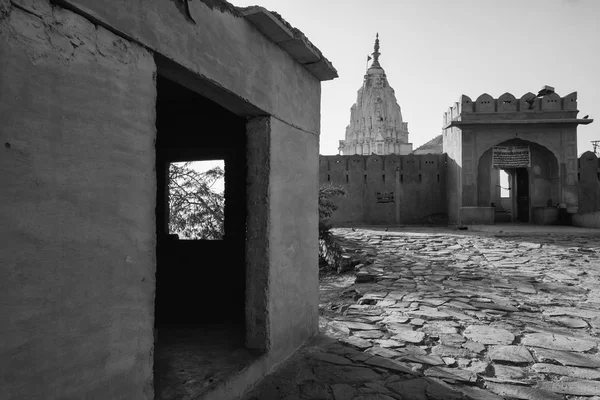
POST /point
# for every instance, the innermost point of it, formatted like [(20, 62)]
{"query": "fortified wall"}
[(388, 190)]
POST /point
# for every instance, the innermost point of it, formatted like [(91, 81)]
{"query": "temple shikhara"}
[(376, 125)]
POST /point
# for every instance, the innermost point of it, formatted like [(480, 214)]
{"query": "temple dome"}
[(376, 124)]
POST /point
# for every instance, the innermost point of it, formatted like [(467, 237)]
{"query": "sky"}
[(433, 51)]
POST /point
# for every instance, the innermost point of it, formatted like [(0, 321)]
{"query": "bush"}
[(330, 253)]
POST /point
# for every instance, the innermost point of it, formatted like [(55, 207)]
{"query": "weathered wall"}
[(222, 47), (417, 182), (452, 144), (77, 210), (589, 182), (587, 220), (77, 218), (293, 247)]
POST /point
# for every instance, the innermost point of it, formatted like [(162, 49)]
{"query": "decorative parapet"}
[(508, 109)]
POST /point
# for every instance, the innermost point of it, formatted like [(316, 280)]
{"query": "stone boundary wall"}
[(388, 190), (508, 103)]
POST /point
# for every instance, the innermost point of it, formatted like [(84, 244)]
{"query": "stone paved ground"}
[(443, 314)]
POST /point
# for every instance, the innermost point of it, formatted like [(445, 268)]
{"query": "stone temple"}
[(376, 125)]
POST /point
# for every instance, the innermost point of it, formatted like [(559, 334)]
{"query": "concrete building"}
[(376, 125), (97, 97)]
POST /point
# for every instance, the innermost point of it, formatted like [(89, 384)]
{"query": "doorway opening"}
[(522, 194), (503, 211), (201, 267)]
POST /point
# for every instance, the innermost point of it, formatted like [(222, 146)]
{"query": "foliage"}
[(330, 253), (327, 206), (196, 209)]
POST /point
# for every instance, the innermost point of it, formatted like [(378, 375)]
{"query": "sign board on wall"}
[(511, 156), (385, 197)]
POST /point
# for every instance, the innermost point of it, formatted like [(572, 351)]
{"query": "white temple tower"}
[(376, 124)]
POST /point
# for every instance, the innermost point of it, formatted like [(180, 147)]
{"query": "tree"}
[(196, 210)]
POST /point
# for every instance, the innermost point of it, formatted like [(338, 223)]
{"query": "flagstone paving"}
[(435, 314)]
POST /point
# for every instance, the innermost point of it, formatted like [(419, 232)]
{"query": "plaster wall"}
[(452, 144), (221, 47), (293, 243), (416, 182), (589, 182), (77, 217), (587, 220)]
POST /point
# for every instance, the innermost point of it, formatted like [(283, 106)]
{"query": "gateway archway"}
[(532, 191)]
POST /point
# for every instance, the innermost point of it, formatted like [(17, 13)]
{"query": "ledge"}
[(276, 29), (577, 121)]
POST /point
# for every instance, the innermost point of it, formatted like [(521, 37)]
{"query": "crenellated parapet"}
[(507, 106), (359, 169)]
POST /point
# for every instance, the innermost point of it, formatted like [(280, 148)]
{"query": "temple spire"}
[(376, 53)]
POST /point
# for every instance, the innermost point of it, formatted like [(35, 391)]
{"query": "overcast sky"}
[(433, 51)]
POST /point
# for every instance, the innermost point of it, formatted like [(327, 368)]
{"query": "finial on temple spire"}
[(376, 53)]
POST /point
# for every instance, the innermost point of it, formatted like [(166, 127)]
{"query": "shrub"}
[(330, 253)]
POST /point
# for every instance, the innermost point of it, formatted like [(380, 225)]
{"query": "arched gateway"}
[(530, 142)]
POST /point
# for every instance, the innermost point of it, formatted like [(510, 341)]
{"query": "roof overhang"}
[(294, 43), (577, 121)]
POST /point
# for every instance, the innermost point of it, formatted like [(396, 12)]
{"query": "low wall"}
[(477, 215), (545, 215), (587, 220)]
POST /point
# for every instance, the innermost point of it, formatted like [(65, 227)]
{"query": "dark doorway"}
[(200, 283), (522, 178)]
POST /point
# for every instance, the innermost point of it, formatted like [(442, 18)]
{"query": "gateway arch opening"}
[(521, 180)]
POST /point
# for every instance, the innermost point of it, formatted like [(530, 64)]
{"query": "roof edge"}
[(291, 40)]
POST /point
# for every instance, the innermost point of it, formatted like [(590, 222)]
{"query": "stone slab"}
[(452, 374), (330, 358), (360, 326), (577, 388), (521, 392), (357, 342), (390, 364), (557, 342), (345, 374), (572, 372), (409, 336), (475, 393), (488, 335), (451, 351), (567, 358), (514, 354), (424, 359)]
